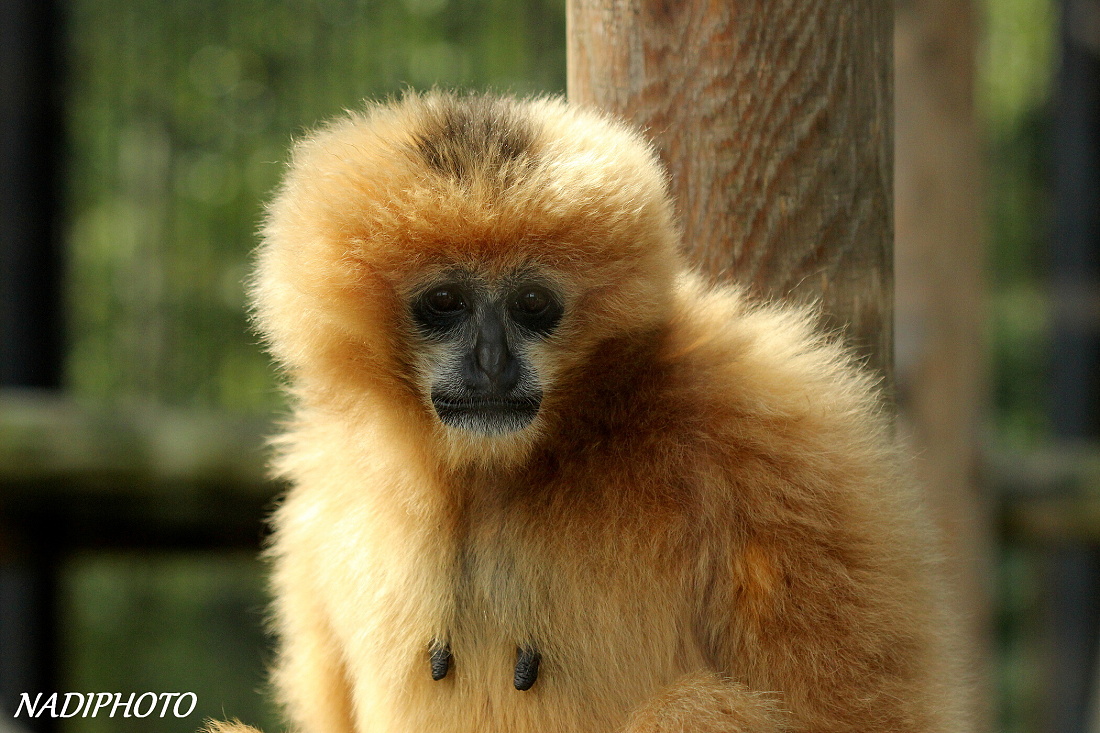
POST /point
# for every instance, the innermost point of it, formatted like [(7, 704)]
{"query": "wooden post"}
[(31, 142), (941, 311), (774, 118), (1072, 614)]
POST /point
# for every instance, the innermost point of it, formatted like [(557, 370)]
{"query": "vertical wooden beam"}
[(30, 193), (775, 120), (941, 305), (30, 323), (1073, 609)]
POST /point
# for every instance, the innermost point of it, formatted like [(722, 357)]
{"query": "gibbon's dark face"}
[(479, 338)]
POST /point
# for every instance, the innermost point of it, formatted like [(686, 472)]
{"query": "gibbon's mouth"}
[(487, 416)]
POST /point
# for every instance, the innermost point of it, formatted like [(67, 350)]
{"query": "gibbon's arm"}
[(309, 676), (799, 642), (818, 609)]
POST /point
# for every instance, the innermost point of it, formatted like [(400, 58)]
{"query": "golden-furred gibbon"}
[(545, 479)]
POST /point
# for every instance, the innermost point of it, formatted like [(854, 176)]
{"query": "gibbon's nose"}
[(491, 358), (495, 369)]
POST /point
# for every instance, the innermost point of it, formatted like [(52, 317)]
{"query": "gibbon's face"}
[(479, 337), (456, 260)]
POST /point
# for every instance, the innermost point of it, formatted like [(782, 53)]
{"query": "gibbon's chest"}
[(535, 622)]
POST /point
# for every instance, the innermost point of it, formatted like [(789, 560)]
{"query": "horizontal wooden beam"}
[(45, 438), (135, 477), (1048, 495)]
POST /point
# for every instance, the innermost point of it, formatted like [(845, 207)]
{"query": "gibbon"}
[(546, 479)]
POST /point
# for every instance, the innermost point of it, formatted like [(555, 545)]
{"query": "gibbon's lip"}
[(490, 405), (490, 416)]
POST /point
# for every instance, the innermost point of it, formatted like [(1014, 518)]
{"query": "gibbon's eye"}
[(440, 309), (445, 300), (535, 308), (532, 300)]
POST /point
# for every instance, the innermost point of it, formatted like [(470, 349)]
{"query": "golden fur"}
[(705, 528)]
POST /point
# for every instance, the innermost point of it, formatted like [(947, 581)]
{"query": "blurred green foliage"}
[(1014, 89), (179, 117), (1015, 84), (188, 622)]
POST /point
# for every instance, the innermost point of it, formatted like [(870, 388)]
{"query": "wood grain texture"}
[(774, 118)]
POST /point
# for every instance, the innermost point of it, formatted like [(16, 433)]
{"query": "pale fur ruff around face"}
[(705, 527)]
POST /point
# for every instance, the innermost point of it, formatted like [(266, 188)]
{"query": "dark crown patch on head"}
[(464, 136)]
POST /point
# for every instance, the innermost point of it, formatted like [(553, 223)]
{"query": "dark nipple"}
[(441, 659), (527, 667)]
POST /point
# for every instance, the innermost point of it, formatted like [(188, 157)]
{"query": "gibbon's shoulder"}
[(771, 384)]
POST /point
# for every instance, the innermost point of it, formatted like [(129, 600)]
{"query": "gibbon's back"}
[(544, 478)]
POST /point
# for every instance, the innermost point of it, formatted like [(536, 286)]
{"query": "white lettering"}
[(88, 704), (167, 699), (126, 707), (194, 702), (51, 705), (152, 705), (65, 706), (102, 700), (25, 699)]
